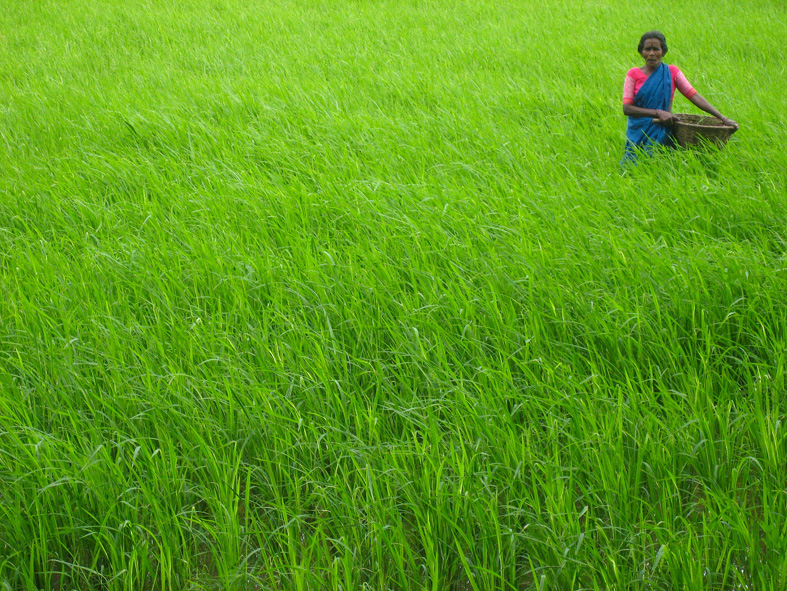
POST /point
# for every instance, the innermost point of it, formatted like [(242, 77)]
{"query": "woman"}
[(648, 94)]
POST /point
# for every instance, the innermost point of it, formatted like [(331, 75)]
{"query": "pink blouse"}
[(635, 78)]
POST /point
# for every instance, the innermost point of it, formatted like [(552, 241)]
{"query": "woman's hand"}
[(730, 123), (667, 118)]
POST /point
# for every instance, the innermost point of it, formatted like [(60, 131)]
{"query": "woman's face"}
[(652, 53)]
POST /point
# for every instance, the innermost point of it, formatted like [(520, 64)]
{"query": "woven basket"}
[(694, 130)]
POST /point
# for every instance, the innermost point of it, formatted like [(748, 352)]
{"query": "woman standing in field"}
[(648, 94)]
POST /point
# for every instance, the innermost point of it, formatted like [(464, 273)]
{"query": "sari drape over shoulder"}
[(642, 134)]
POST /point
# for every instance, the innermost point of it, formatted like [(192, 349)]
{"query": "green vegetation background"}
[(345, 295)]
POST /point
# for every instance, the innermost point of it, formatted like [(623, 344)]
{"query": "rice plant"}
[(317, 295)]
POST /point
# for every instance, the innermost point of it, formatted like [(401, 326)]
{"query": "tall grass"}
[(315, 295)]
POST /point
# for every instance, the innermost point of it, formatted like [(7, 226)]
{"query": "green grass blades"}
[(339, 296)]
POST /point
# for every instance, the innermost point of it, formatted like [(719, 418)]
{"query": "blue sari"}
[(642, 134)]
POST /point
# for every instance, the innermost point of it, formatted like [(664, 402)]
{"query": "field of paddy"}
[(316, 295)]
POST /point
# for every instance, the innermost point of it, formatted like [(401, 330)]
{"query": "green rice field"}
[(317, 295)]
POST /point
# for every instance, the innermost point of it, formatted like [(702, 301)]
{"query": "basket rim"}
[(720, 125)]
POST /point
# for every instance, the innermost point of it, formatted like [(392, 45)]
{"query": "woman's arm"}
[(665, 117), (703, 104)]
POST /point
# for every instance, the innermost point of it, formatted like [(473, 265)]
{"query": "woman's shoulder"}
[(636, 73), (674, 69)]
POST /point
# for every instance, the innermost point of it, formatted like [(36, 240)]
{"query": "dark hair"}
[(653, 35)]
